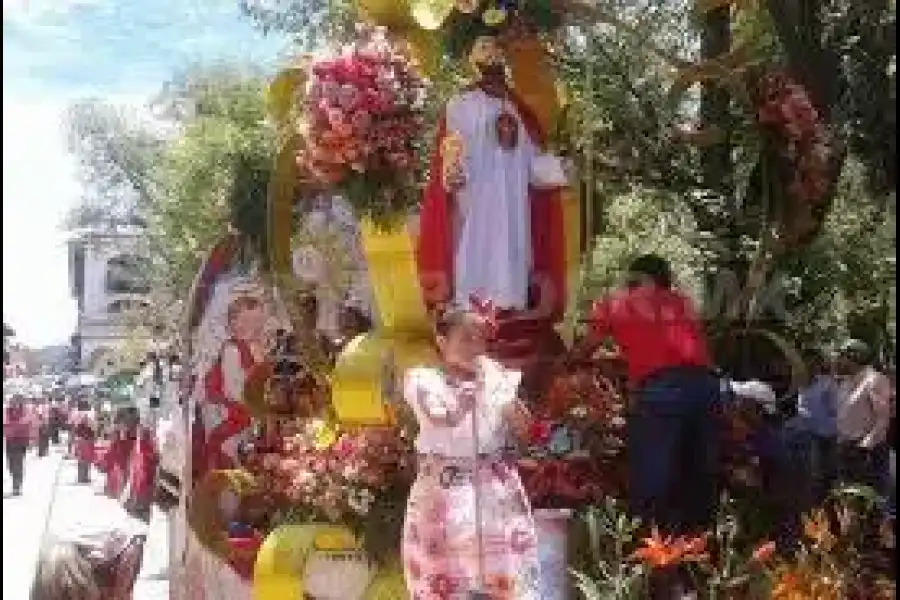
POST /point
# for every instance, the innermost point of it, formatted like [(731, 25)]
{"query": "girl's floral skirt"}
[(443, 557)]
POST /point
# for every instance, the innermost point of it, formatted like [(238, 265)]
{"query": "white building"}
[(107, 280)]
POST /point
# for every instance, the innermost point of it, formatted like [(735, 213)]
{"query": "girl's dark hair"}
[(653, 266)]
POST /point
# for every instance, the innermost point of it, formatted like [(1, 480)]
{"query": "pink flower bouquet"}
[(365, 125)]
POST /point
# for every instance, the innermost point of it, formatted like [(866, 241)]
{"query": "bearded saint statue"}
[(488, 227)]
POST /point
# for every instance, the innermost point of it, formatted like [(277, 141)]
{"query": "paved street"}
[(51, 500)]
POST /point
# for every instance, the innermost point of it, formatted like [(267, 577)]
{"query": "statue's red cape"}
[(435, 245)]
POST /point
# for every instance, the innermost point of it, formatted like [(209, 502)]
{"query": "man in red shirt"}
[(672, 432), (17, 436)]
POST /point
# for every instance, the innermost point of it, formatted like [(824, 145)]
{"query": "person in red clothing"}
[(672, 431), (83, 433), (17, 436), (115, 462), (141, 475)]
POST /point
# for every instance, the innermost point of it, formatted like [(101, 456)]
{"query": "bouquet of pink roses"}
[(365, 126)]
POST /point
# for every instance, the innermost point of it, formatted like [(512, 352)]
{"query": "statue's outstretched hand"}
[(454, 180)]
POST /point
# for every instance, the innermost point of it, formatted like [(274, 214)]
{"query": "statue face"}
[(486, 54)]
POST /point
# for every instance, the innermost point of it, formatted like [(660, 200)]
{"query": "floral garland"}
[(365, 127), (785, 109)]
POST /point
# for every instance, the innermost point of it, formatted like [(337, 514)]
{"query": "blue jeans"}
[(864, 466), (673, 449), (814, 459)]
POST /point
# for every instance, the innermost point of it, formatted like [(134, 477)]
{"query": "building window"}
[(118, 307), (126, 275)]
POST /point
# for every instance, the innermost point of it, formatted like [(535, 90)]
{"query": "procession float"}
[(301, 321)]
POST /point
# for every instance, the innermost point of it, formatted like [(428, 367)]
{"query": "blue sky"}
[(55, 52)]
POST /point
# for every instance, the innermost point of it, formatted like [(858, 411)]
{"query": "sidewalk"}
[(72, 500), (24, 520)]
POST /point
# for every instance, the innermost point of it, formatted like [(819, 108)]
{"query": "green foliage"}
[(312, 23), (605, 570), (637, 222), (844, 283), (204, 167)]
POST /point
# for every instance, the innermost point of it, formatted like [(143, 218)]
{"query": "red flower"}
[(540, 431)]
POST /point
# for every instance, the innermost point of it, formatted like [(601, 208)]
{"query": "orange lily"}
[(660, 553), (818, 529)]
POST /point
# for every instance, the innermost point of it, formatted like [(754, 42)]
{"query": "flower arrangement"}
[(365, 126), (785, 109), (358, 478), (834, 561), (579, 432)]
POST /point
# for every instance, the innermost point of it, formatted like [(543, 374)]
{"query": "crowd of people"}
[(98, 560)]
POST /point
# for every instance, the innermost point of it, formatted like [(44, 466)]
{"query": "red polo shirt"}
[(655, 328)]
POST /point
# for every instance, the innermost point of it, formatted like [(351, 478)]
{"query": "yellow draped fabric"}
[(281, 563), (402, 337), (534, 79)]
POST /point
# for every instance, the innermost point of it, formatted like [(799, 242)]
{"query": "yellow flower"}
[(324, 435), (493, 16), (466, 6)]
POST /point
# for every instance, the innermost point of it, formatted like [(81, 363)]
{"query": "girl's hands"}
[(454, 180), (519, 420)]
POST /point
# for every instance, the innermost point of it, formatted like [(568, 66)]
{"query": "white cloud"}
[(55, 52), (39, 185)]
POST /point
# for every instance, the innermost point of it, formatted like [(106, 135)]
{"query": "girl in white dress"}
[(465, 408)]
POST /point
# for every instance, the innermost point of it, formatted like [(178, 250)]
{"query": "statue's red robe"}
[(436, 244)]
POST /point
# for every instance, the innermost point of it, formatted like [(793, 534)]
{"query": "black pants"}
[(54, 433), (865, 466), (15, 462), (84, 471), (43, 445)]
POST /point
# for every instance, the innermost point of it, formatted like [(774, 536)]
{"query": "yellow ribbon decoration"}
[(402, 336), (431, 14), (386, 13), (281, 563), (534, 79)]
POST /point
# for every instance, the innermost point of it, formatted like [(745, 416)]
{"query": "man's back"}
[(655, 328)]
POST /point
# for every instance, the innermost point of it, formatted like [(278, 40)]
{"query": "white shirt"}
[(864, 411), (433, 399)]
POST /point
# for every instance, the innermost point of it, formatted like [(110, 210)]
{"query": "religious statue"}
[(491, 223)]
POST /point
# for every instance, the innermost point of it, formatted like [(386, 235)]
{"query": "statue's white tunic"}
[(493, 249)]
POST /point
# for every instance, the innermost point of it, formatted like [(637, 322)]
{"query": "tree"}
[(197, 167)]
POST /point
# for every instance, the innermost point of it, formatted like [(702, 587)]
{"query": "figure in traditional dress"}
[(84, 437), (468, 524), (241, 359), (115, 461), (17, 437), (486, 228), (141, 475)]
